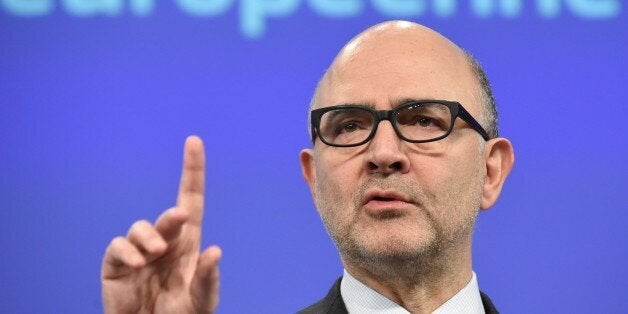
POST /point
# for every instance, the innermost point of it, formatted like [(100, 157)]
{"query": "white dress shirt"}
[(360, 298)]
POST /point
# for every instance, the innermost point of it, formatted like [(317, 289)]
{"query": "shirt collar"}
[(360, 298)]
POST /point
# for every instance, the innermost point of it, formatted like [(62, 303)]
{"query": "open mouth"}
[(380, 196), (386, 204), (384, 199)]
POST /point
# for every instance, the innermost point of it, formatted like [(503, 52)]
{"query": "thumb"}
[(206, 282)]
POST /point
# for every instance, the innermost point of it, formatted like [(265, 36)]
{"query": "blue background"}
[(95, 108)]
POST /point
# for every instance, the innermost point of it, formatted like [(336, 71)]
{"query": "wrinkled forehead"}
[(383, 67)]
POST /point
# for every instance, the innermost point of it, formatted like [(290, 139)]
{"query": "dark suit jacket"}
[(333, 303)]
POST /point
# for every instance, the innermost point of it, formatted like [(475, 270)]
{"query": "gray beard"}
[(421, 265)]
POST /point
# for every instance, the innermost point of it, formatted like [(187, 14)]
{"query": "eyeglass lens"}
[(416, 122)]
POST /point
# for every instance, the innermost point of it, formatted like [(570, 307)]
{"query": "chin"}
[(392, 245)]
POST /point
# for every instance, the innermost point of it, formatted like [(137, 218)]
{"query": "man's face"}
[(391, 199)]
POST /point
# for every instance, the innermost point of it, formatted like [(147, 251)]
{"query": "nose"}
[(385, 153)]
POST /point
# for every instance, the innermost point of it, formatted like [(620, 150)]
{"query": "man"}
[(401, 164)]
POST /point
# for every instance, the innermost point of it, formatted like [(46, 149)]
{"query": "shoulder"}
[(331, 303), (489, 307)]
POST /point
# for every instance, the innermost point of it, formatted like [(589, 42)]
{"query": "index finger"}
[(192, 185)]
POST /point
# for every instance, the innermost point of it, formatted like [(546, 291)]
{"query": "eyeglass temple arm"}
[(314, 134), (314, 118), (466, 116)]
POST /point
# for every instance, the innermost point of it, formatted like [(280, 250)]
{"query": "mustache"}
[(414, 192)]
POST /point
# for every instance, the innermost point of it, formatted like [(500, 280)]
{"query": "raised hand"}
[(158, 268)]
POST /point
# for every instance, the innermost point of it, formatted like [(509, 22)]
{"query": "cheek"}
[(336, 186), (451, 184), (339, 172), (465, 193), (458, 165)]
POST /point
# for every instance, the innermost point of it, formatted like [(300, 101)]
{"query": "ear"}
[(499, 158), (307, 168)]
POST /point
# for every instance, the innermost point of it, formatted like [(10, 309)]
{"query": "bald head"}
[(399, 60)]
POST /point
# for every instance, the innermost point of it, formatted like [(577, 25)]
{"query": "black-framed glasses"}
[(416, 122)]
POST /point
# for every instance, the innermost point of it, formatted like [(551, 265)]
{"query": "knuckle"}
[(116, 244), (139, 226), (117, 241)]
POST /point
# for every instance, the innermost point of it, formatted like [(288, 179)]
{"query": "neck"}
[(420, 286)]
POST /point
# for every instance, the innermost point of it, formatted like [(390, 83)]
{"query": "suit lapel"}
[(332, 303)]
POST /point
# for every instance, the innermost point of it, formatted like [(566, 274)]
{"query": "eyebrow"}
[(396, 102), (367, 105)]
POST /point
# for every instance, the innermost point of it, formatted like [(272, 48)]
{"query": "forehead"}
[(384, 68)]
